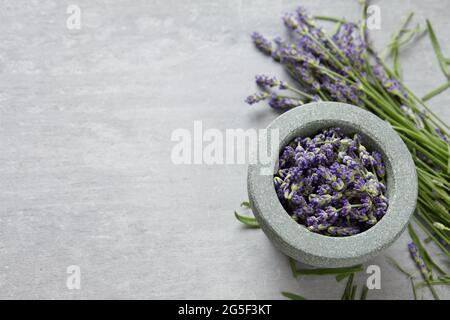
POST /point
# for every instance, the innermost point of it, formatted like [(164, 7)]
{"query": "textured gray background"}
[(85, 121)]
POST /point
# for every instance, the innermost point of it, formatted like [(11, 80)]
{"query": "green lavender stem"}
[(436, 91)]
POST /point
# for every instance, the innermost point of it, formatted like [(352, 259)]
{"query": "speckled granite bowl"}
[(323, 251)]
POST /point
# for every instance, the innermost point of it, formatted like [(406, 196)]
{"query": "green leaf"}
[(441, 281), (353, 292), (348, 288), (245, 204), (331, 19), (364, 293), (395, 44), (341, 277), (425, 225), (428, 240), (436, 91), (330, 271), (413, 289), (248, 221), (433, 292), (437, 49), (448, 162), (292, 296), (396, 265), (293, 267)]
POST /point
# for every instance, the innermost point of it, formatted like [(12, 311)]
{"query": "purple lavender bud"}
[(278, 102), (307, 22), (320, 200), (350, 162), (414, 251), (379, 165), (372, 219), (306, 142), (295, 173), (372, 187), (336, 197), (300, 213), (380, 170), (257, 97), (327, 150), (366, 202), (298, 199), (283, 173), (441, 135), (324, 189), (343, 231), (360, 184), (266, 81), (338, 185), (262, 43), (325, 173), (361, 214), (307, 185), (382, 187), (301, 160), (287, 156), (280, 193), (277, 181), (270, 82), (312, 221), (391, 85), (380, 202), (332, 215), (345, 143), (379, 213), (315, 85), (346, 207), (366, 159), (290, 22), (321, 159)]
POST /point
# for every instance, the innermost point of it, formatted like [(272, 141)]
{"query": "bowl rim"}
[(315, 249)]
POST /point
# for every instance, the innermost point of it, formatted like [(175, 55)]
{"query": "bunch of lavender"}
[(343, 66), (331, 184)]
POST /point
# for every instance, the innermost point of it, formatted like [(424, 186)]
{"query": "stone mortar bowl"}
[(318, 250)]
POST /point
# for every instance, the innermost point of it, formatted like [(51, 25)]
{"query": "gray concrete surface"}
[(86, 118)]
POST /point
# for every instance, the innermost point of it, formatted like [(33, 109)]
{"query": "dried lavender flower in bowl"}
[(331, 183), (341, 196)]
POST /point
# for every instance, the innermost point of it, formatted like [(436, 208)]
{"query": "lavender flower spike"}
[(290, 22), (270, 82), (278, 102), (441, 135), (262, 43), (257, 97), (414, 251)]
